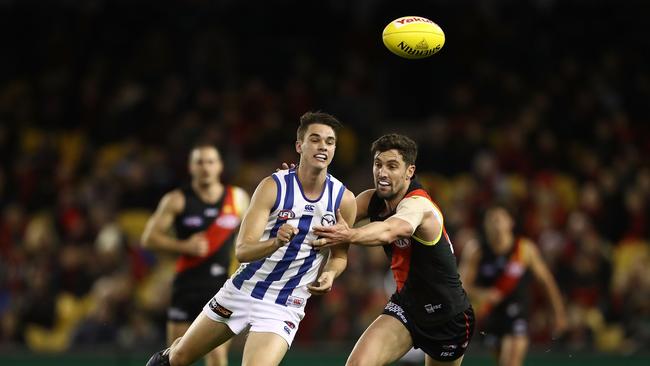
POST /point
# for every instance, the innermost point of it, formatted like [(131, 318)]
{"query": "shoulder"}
[(365, 196), (472, 249), (527, 246), (266, 194), (267, 185), (238, 192), (173, 200), (240, 198), (348, 198), (419, 204)]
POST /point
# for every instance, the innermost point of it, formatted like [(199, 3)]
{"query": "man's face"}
[(497, 224), (317, 146), (392, 175), (205, 165)]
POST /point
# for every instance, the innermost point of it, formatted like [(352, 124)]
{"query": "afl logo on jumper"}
[(286, 215), (328, 220), (402, 243)]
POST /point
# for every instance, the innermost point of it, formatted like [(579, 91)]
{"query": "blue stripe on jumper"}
[(278, 194), (338, 198), (330, 188), (289, 256), (295, 280), (252, 267)]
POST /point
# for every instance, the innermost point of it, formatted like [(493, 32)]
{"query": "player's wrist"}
[(277, 244)]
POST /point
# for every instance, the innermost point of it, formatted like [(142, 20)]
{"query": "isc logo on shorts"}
[(219, 310)]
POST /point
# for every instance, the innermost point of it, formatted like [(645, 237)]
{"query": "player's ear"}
[(299, 147), (410, 171)]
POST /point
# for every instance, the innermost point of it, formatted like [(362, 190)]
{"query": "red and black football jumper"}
[(197, 279), (509, 274), (430, 300)]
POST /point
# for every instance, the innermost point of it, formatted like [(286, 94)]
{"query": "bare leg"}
[(216, 357), (202, 337), (385, 341), (513, 350), (264, 349), (176, 330)]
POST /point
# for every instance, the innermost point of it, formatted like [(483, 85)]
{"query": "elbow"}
[(241, 255), (145, 241), (392, 234), (387, 238)]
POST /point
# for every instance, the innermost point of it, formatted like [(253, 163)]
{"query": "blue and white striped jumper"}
[(283, 277)]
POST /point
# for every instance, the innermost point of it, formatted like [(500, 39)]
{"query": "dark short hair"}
[(404, 145), (202, 145), (311, 118)]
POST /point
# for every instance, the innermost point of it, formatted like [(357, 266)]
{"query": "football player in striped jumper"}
[(280, 268)]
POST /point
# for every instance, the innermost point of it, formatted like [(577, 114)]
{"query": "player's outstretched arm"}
[(401, 225), (248, 246), (338, 258), (156, 232)]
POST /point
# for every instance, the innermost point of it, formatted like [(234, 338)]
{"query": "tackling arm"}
[(401, 225)]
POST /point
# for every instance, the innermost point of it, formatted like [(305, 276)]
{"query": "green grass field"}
[(311, 358)]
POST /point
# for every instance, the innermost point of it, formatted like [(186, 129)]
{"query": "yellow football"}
[(413, 37)]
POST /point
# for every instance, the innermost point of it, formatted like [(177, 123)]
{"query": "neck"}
[(312, 179), (209, 192), (504, 240)]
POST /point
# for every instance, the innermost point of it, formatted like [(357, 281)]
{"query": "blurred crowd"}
[(526, 105)]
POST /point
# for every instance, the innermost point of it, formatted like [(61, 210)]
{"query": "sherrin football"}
[(413, 37)]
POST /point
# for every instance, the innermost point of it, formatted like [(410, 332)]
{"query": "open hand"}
[(328, 236), (323, 285)]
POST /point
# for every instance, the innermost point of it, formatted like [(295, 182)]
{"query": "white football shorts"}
[(238, 310)]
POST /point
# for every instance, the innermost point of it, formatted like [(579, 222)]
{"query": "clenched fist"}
[(286, 232), (197, 245)]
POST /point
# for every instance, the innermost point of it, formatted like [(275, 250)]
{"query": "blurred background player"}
[(496, 273), (204, 216), (280, 269), (430, 309)]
